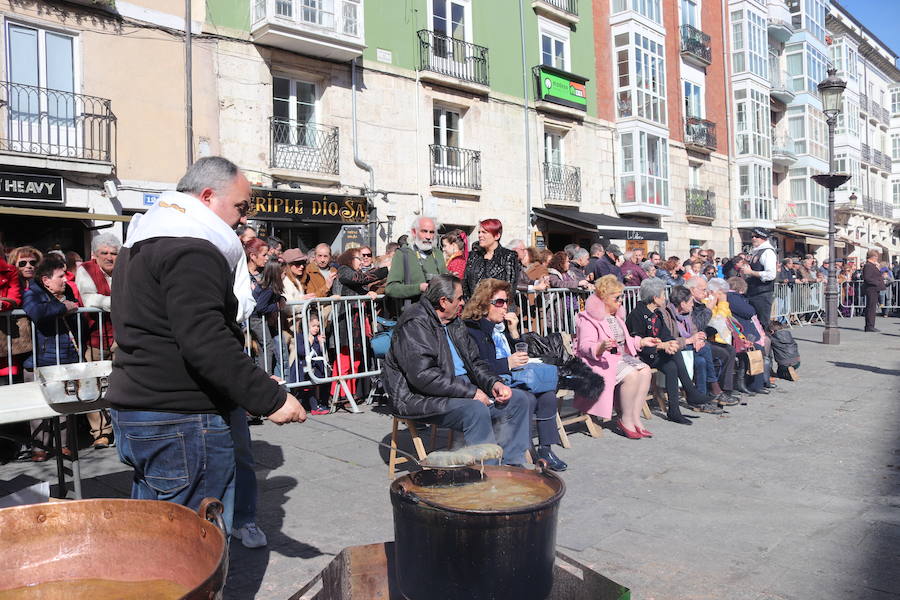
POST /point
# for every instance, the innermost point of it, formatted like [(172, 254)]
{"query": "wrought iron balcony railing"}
[(455, 167), (696, 43), (308, 147), (455, 58), (877, 207), (700, 133), (36, 120), (562, 182), (888, 162), (865, 153), (700, 203), (878, 159), (864, 103), (569, 6)]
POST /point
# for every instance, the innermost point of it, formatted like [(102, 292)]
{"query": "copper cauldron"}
[(118, 540)]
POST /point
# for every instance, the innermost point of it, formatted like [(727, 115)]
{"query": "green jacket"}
[(419, 265)]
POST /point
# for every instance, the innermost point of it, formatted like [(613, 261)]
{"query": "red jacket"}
[(10, 286)]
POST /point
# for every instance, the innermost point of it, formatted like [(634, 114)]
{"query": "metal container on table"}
[(444, 551)]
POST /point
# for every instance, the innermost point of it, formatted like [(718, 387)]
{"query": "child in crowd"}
[(784, 350), (312, 395)]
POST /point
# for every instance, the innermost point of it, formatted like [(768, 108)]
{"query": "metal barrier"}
[(345, 324), (555, 310), (853, 298), (799, 303)]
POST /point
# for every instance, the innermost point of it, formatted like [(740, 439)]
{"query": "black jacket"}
[(180, 349), (418, 370), (504, 266), (643, 322), (784, 348), (482, 334), (872, 277)]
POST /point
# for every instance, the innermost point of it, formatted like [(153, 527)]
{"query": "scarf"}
[(684, 322), (181, 215), (500, 343)]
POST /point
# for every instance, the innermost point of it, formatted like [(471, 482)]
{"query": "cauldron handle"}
[(405, 493), (541, 466), (211, 510)]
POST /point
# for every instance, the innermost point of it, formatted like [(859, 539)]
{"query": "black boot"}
[(553, 461), (740, 385)]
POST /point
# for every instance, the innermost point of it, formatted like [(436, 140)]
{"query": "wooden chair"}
[(412, 425), (579, 417)]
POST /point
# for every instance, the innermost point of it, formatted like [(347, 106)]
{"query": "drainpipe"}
[(726, 63), (359, 161), (527, 132), (188, 84)]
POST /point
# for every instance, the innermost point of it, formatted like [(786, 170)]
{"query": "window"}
[(651, 9), (41, 59), (810, 199), (645, 168), (844, 58), (895, 186), (895, 146), (641, 78), (693, 100), (447, 135), (750, 42), (753, 122), (848, 119), (755, 187), (553, 151), (694, 175), (806, 67), (293, 111), (895, 102), (350, 17), (554, 44), (690, 13), (847, 164), (809, 15), (450, 18)]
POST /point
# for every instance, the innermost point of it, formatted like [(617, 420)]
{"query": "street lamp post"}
[(831, 91)]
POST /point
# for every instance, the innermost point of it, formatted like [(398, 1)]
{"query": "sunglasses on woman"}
[(31, 262), (498, 302)]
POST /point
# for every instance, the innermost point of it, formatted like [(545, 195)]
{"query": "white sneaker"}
[(251, 536)]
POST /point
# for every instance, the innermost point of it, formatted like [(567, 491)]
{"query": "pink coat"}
[(591, 329)]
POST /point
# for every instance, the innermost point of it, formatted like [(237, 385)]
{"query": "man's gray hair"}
[(441, 286), (694, 282), (716, 284), (323, 245), (628, 255), (212, 172), (579, 254), (513, 244), (597, 250), (570, 250), (651, 288), (105, 239), (417, 220)]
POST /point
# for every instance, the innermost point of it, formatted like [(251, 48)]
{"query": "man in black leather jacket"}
[(433, 372)]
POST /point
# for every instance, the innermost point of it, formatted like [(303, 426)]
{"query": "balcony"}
[(887, 163), (780, 26), (781, 89), (565, 11), (304, 150), (331, 29), (453, 62), (644, 195), (53, 129), (783, 154), (878, 159), (700, 135), (877, 207), (562, 184), (866, 154), (864, 103), (880, 113), (700, 206), (695, 46), (455, 168)]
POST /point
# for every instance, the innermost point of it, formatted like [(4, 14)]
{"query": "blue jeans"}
[(244, 473), (176, 457), (508, 424), (704, 369)]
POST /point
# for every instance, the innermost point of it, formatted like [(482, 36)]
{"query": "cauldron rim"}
[(398, 490)]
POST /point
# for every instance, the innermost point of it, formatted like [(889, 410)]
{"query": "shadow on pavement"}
[(862, 367), (247, 567)]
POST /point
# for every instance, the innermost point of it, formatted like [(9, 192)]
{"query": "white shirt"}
[(769, 261)]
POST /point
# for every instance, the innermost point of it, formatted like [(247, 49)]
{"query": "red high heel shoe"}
[(631, 435), (643, 432)]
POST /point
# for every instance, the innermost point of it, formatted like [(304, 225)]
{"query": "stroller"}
[(380, 344)]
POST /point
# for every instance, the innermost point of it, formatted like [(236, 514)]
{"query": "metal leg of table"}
[(72, 429), (62, 488)]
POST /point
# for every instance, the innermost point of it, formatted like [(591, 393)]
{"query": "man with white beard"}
[(413, 266)]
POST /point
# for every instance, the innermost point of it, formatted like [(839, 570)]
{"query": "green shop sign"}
[(560, 87)]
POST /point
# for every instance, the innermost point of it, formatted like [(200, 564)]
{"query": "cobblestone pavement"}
[(795, 495)]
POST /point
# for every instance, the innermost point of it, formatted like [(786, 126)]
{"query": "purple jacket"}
[(632, 274)]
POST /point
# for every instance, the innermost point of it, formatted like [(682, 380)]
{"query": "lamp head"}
[(831, 91)]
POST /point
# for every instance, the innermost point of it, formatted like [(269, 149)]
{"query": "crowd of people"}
[(199, 291)]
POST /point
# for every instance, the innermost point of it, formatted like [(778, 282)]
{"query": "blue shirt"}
[(459, 367)]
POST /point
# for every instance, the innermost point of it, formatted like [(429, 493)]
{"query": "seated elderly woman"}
[(495, 331), (743, 312), (606, 347), (647, 320), (721, 315), (678, 316)]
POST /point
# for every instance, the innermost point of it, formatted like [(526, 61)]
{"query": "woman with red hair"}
[(490, 260)]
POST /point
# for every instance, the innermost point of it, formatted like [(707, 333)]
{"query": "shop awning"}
[(62, 214), (809, 240), (613, 228)]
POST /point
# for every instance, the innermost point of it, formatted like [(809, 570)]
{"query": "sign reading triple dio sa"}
[(26, 187)]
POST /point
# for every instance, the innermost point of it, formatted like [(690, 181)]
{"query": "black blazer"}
[(482, 333)]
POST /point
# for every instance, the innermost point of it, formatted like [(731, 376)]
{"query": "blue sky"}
[(881, 17)]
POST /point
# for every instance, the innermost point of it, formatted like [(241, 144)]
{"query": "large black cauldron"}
[(451, 553)]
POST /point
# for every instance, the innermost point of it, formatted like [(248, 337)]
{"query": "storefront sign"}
[(318, 208), (538, 240), (353, 237), (562, 88), (632, 244), (26, 187)]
